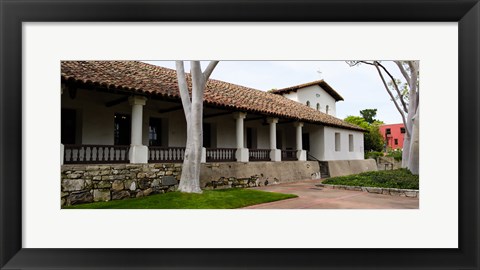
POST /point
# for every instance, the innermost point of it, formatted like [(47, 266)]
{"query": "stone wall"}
[(93, 183), (347, 167), (273, 172)]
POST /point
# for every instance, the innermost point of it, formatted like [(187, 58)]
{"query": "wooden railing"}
[(221, 154), (94, 153), (289, 155), (259, 154), (165, 154)]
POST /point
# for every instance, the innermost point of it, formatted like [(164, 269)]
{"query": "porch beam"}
[(254, 118), (286, 122), (172, 109), (216, 114), (116, 101)]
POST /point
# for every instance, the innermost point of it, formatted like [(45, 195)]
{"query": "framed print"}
[(39, 37)]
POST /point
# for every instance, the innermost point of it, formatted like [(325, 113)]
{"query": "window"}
[(396, 141), (402, 130), (154, 132), (388, 131), (350, 142), (318, 106), (337, 141), (68, 126), (326, 109), (122, 129), (207, 135), (306, 141), (308, 103)]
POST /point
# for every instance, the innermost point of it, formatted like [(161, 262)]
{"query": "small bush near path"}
[(400, 178), (209, 199)]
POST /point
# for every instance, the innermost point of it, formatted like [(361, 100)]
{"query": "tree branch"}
[(183, 88), (208, 71), (375, 63), (403, 71), (395, 86), (413, 83)]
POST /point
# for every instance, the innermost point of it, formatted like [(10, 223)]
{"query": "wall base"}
[(242, 155), (347, 167), (274, 172), (138, 154), (301, 155), (276, 155)]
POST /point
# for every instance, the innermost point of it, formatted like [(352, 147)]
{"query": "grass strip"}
[(209, 199)]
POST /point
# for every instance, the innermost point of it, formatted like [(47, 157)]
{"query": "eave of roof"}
[(324, 85), (143, 78)]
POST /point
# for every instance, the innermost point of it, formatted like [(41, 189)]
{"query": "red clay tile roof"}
[(321, 83), (134, 76)]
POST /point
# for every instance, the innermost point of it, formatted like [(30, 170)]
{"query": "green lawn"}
[(400, 178), (209, 199)]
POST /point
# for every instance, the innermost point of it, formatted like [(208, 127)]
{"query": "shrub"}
[(396, 154), (373, 154), (400, 178)]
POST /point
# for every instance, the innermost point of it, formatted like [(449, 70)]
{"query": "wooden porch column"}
[(275, 154), (242, 152), (301, 154), (138, 152)]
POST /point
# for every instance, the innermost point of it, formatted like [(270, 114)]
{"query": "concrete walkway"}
[(313, 197)]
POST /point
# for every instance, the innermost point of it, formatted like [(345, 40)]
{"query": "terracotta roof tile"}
[(134, 76)]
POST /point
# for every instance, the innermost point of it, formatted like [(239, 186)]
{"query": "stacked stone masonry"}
[(93, 183), (412, 193)]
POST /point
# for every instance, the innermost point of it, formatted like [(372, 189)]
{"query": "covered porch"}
[(106, 127)]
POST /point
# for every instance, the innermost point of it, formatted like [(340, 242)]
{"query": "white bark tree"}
[(407, 104), (193, 109)]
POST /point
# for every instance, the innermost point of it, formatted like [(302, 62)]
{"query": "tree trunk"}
[(406, 151), (190, 178), (413, 162)]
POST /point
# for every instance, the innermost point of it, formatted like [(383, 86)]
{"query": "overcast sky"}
[(360, 86)]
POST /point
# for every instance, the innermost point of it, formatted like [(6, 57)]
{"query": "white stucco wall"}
[(225, 131), (317, 143), (261, 134), (177, 128), (344, 153)]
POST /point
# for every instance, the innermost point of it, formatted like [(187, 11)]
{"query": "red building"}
[(393, 135)]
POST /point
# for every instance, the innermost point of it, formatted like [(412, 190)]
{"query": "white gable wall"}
[(292, 96), (315, 94)]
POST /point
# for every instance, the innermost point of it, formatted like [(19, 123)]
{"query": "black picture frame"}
[(14, 12)]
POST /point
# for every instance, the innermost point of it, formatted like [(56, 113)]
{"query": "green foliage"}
[(369, 115), (209, 199), (372, 139), (400, 178), (373, 154), (396, 154)]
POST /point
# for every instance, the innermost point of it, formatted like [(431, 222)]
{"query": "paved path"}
[(313, 197)]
